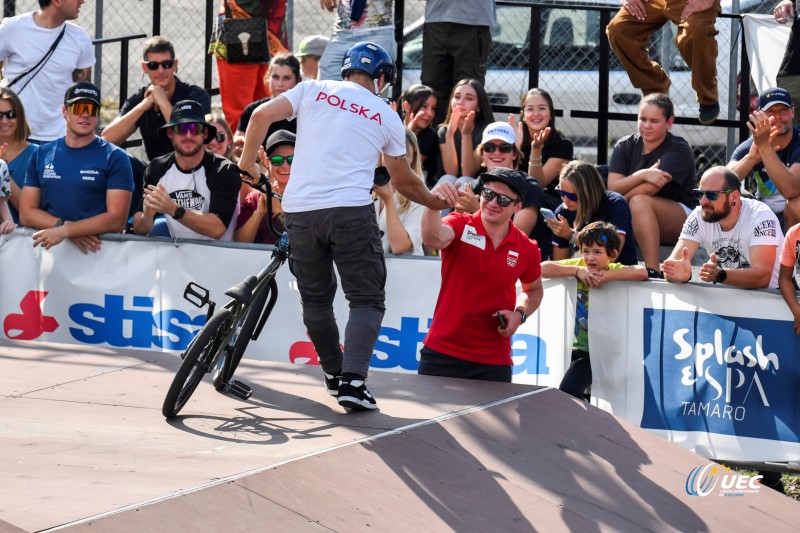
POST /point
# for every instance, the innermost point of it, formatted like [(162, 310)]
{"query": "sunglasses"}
[(502, 199), (504, 148), (166, 64), (10, 114), (220, 137), (571, 195), (79, 108), (711, 195), (195, 128), (278, 160)]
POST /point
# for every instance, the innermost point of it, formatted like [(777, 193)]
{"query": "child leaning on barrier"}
[(599, 244)]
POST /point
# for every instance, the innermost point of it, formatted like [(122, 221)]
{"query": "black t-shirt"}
[(222, 179), (477, 136), (151, 121), (676, 157), (244, 120), (614, 210), (429, 147), (555, 147)]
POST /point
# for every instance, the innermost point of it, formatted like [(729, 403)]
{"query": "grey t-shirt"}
[(470, 12)]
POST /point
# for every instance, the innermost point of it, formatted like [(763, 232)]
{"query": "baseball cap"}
[(773, 96), (501, 131), (188, 112), (313, 45), (279, 138), (82, 90), (513, 178)]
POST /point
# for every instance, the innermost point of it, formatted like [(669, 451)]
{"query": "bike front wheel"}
[(197, 361), (240, 339)]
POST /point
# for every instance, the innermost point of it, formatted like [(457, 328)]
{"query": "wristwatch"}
[(721, 276), (179, 213), (522, 313), (59, 223)]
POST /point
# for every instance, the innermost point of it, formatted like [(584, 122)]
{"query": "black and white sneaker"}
[(354, 395), (332, 384)]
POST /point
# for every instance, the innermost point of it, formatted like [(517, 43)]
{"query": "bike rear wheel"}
[(196, 362), (240, 339)]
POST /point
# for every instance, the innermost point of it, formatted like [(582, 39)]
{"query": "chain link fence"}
[(569, 59)]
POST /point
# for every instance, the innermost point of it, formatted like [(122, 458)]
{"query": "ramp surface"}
[(84, 448)]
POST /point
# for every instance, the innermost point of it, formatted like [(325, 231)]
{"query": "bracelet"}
[(532, 164), (577, 269), (573, 238)]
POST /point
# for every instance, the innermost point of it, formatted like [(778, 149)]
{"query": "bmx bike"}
[(220, 344)]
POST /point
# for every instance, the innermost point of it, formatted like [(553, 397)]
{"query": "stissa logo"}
[(399, 348), (31, 323), (138, 326), (720, 374)]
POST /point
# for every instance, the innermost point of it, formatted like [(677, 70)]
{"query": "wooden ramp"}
[(83, 447)]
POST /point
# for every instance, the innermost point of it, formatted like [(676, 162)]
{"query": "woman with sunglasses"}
[(252, 224), (467, 117), (283, 74), (418, 109), (400, 219), (655, 171), (544, 151), (586, 200), (14, 133), (151, 107), (222, 142), (499, 150)]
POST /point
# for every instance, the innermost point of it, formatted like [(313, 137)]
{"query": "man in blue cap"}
[(769, 160)]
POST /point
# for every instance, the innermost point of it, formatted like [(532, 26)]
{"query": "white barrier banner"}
[(130, 295), (714, 369)]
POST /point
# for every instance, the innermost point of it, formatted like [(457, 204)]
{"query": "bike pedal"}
[(239, 389)]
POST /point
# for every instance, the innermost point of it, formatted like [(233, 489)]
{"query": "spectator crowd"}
[(516, 187)]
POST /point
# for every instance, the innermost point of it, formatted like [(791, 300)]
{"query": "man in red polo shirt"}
[(483, 256)]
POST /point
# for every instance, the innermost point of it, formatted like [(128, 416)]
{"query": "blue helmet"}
[(370, 58)]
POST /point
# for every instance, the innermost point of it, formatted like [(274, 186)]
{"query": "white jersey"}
[(411, 220), (22, 45), (757, 226), (342, 128)]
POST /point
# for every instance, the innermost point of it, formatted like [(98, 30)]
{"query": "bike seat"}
[(243, 292)]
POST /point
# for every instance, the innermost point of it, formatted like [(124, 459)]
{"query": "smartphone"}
[(501, 319), (547, 214), (382, 176)]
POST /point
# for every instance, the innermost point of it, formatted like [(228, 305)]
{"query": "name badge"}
[(471, 236)]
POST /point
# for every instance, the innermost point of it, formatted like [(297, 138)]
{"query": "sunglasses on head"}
[(502, 199), (195, 128), (711, 195), (571, 195), (79, 108), (504, 148), (10, 114), (278, 160), (166, 64)]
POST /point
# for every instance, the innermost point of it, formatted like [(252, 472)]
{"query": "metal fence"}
[(567, 60)]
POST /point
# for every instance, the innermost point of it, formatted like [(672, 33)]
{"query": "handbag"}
[(245, 39)]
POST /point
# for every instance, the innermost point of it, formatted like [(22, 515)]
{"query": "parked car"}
[(569, 59)]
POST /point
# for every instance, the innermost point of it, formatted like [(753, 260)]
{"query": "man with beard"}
[(770, 159), (78, 186), (742, 237), (194, 189)]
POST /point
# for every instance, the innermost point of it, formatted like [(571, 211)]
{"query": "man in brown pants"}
[(630, 31)]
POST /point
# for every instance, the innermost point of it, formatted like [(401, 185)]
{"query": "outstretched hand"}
[(678, 270)]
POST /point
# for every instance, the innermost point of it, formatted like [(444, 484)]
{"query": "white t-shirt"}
[(342, 128), (190, 190), (411, 220), (757, 226), (22, 45)]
